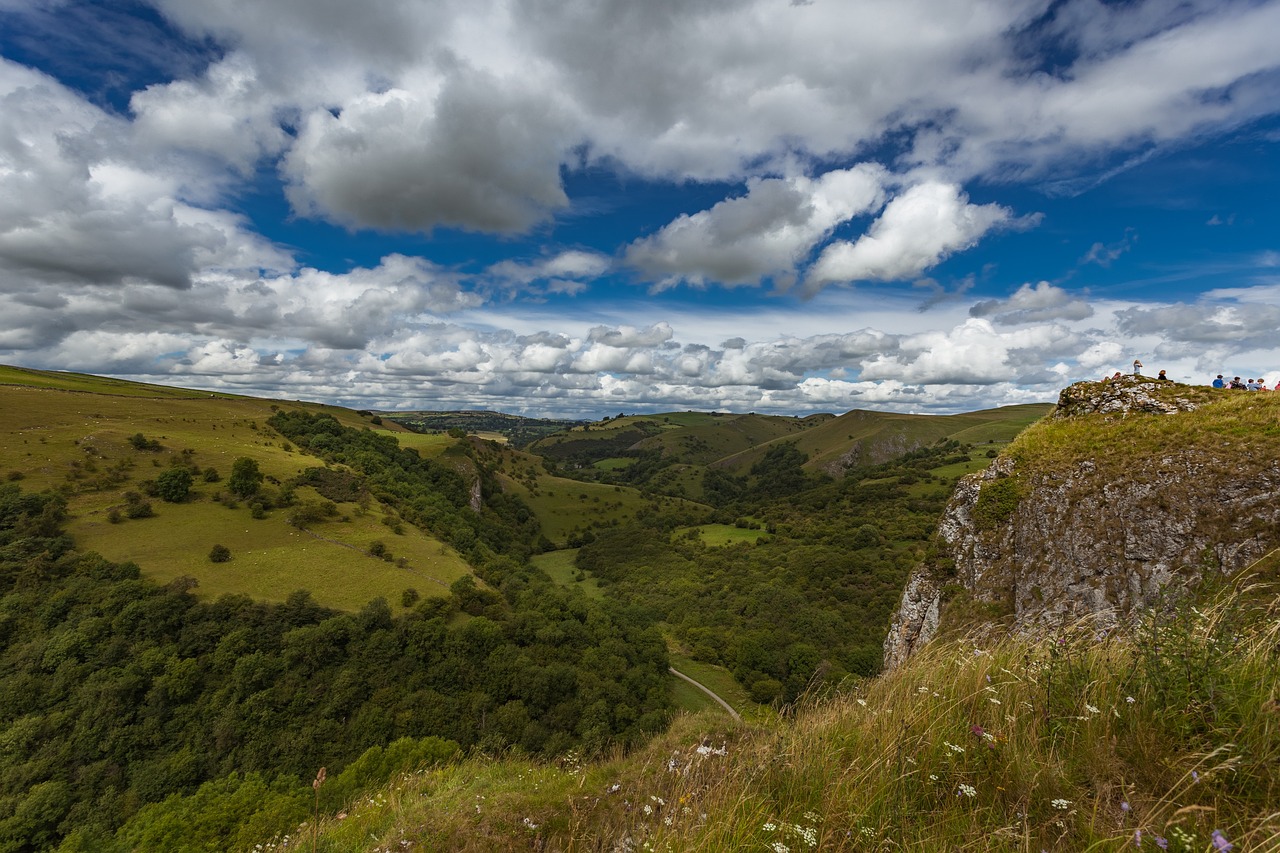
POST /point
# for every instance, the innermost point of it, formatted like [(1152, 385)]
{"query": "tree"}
[(245, 477), (219, 554), (174, 485)]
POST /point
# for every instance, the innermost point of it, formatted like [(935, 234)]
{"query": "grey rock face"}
[(1086, 541)]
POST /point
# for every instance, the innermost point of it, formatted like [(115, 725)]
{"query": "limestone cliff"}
[(1128, 488)]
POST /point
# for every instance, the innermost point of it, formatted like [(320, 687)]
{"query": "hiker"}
[(1236, 384), (1162, 377), (1137, 367), (1253, 385), (1219, 382)]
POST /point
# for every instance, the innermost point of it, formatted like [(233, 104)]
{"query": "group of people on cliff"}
[(1238, 384), (1235, 383)]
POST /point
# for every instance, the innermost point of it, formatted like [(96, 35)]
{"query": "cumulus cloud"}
[(1036, 303), (480, 154), (1205, 325), (917, 230), (766, 232), (225, 113), (77, 207), (569, 272)]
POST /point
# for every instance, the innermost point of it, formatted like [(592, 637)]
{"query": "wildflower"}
[(530, 824), (770, 827), (922, 689), (1162, 842), (779, 847), (967, 791), (993, 700), (951, 746), (1195, 777), (1090, 708), (1130, 700), (1061, 804), (1124, 807), (933, 777), (1220, 841), (648, 809), (812, 817), (977, 730), (1137, 838)]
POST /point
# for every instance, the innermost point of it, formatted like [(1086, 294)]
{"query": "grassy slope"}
[(876, 436), (1067, 743), (724, 436), (564, 506), (60, 420)]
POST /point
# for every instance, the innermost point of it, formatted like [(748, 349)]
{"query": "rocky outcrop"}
[(1122, 395), (1093, 532)]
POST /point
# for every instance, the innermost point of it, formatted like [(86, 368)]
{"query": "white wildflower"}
[(967, 791), (1060, 804)]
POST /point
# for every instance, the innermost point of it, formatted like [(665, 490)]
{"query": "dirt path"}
[(707, 690)]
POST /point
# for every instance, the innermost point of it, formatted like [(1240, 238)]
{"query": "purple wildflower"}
[(977, 730), (1162, 842), (1137, 838), (1124, 807), (1195, 777), (1220, 841)]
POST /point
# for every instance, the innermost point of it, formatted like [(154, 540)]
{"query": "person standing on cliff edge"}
[(1137, 367)]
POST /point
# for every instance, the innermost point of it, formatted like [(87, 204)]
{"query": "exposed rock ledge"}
[(1083, 540)]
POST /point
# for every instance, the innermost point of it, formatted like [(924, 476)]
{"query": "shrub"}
[(219, 554), (409, 597), (245, 478), (174, 485), (997, 502)]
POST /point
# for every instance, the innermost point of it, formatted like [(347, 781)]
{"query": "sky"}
[(586, 207)]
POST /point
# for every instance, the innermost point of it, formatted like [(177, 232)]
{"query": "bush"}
[(997, 502), (219, 554), (409, 597), (211, 475), (246, 478), (174, 485)]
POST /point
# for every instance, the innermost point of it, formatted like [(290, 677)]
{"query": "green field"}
[(719, 535), (560, 568)]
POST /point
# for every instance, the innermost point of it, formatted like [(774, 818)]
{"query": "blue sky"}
[(580, 208)]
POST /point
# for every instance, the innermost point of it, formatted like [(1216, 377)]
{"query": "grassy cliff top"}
[(1238, 428)]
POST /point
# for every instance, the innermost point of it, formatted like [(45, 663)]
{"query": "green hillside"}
[(462, 596), (860, 437), (72, 433)]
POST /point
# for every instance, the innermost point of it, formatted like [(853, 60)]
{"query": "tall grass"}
[(1147, 738)]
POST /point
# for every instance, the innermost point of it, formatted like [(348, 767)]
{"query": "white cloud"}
[(227, 114), (1036, 303), (479, 154), (917, 230), (766, 232)]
